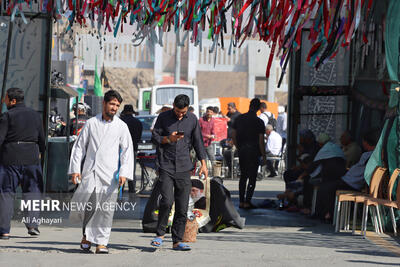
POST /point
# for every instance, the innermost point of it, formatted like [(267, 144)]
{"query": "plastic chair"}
[(281, 158), (388, 202), (342, 214)]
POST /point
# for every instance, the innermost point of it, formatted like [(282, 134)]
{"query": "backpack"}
[(271, 120)]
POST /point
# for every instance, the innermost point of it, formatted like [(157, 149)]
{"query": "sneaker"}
[(100, 249), (34, 231), (273, 174)]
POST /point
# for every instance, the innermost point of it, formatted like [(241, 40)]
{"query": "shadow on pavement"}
[(127, 230), (373, 262), (57, 246), (343, 243)]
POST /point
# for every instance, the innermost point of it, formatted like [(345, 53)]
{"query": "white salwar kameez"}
[(101, 145)]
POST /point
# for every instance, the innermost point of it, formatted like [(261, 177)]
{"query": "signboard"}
[(27, 68), (333, 72), (324, 114)]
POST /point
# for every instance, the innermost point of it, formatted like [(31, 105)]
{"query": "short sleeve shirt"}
[(248, 128)]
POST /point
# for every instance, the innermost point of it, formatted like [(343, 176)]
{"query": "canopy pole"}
[(3, 89)]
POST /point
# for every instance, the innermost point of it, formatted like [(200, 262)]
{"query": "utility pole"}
[(177, 59), (58, 42)]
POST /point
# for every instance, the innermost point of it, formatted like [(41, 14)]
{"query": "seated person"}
[(296, 187), (307, 146), (353, 179), (329, 163), (227, 144), (351, 149), (308, 143), (273, 148)]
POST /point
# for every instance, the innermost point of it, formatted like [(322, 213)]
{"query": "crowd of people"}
[(326, 166), (102, 160)]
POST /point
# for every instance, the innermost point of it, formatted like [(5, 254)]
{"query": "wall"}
[(218, 84)]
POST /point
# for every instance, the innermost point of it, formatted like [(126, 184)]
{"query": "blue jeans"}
[(29, 177)]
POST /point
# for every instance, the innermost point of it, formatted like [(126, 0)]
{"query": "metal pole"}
[(291, 129), (3, 88), (48, 95), (177, 59), (58, 43), (76, 116), (68, 121)]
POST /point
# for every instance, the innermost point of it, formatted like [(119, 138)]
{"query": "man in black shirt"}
[(248, 137), (21, 141), (135, 128), (233, 113), (174, 133)]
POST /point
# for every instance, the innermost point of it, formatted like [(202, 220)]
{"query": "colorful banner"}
[(279, 23)]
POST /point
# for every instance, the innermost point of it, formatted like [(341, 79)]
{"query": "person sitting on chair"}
[(273, 149), (353, 179)]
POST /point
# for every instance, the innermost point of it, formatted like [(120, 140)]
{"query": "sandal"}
[(85, 245), (100, 249), (182, 247), (157, 242)]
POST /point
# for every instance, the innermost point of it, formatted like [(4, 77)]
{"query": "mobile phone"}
[(180, 133)]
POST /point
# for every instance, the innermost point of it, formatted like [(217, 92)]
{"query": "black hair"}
[(198, 184), (191, 109), (371, 137), (15, 93), (181, 101), (128, 109), (216, 109), (210, 108), (263, 105), (111, 94), (232, 105), (255, 104)]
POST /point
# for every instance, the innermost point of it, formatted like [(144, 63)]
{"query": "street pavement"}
[(270, 238)]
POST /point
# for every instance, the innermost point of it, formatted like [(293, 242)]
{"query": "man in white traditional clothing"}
[(105, 148)]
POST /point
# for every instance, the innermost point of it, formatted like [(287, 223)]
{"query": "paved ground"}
[(271, 238)]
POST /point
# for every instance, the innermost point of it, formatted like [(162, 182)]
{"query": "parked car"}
[(145, 145)]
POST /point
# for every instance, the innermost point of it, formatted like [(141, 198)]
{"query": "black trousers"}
[(249, 162), (327, 194), (132, 184), (31, 181), (174, 187), (228, 158), (272, 165)]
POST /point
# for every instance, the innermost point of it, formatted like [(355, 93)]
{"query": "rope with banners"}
[(279, 23)]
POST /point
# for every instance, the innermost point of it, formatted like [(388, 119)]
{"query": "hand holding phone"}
[(176, 136)]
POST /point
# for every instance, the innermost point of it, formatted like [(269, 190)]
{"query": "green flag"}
[(98, 90)]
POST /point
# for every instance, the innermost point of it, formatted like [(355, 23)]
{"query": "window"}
[(146, 122), (167, 95)]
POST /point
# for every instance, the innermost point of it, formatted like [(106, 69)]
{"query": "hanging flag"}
[(98, 91), (103, 78)]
